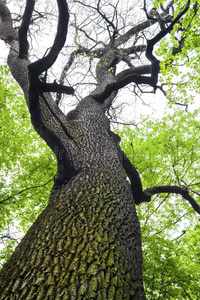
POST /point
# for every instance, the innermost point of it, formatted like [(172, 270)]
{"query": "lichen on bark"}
[(86, 245)]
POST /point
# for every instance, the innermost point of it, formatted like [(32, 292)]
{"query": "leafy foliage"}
[(180, 53), (26, 165), (167, 152)]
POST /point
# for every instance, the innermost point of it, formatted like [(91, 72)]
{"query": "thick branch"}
[(23, 42), (37, 88), (7, 32), (141, 70), (133, 31), (132, 76), (136, 186), (175, 190), (43, 64), (134, 49), (122, 82), (46, 62), (55, 88)]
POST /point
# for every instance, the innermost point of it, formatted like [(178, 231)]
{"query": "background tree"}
[(86, 243), (27, 167), (167, 152)]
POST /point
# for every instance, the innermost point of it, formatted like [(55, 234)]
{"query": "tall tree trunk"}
[(86, 244)]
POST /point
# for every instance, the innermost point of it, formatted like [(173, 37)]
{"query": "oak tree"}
[(86, 244)]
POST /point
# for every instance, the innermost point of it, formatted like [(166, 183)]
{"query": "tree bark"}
[(86, 244)]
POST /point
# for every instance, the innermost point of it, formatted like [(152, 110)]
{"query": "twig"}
[(22, 191)]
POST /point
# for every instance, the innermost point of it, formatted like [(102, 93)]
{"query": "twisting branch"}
[(151, 43), (115, 86), (37, 87), (145, 196), (136, 186), (175, 190), (98, 53), (108, 21), (47, 61), (155, 65), (23, 41), (154, 15), (166, 10)]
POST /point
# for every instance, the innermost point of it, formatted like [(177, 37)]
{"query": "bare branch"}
[(56, 88), (179, 219), (46, 62), (104, 16), (133, 31), (5, 236), (7, 32), (108, 21), (122, 82), (23, 42), (175, 190), (186, 293), (22, 191), (43, 64), (134, 77)]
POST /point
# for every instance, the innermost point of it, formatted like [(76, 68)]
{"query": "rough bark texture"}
[(86, 244)]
